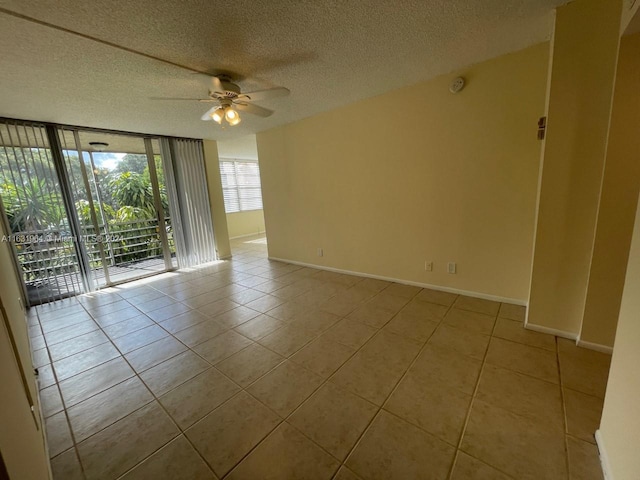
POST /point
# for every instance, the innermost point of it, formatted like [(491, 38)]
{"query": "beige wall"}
[(619, 434), (416, 174), (21, 436), (241, 224), (584, 54), (214, 184), (617, 202)]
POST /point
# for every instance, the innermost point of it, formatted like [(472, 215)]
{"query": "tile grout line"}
[(366, 429), (473, 397), (564, 412)]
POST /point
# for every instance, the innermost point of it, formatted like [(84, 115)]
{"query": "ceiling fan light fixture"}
[(218, 115), (232, 116)]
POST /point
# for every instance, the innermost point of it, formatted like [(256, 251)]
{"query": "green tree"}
[(132, 189), (132, 162)]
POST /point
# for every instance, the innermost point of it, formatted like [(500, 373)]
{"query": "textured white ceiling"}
[(328, 53)]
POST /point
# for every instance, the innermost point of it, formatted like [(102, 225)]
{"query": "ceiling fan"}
[(230, 100)]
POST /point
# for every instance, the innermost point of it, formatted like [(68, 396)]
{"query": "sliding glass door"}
[(85, 209)]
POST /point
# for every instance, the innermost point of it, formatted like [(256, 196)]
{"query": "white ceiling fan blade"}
[(253, 109), (264, 94), (216, 86), (207, 116)]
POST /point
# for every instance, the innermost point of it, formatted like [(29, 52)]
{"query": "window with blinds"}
[(240, 185)]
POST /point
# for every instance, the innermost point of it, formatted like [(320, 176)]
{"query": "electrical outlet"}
[(428, 266), (451, 267), (320, 252)]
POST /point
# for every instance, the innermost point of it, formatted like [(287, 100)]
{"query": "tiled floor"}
[(250, 369)]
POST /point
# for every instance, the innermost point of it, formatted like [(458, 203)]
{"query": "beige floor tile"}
[(117, 448), (105, 408), (72, 331), (583, 414), (218, 348), (345, 474), (394, 351), (157, 352), (316, 321), (96, 380), (197, 397), (265, 303), (379, 310), (176, 460), (512, 312), (128, 326), (173, 372), (322, 356), (520, 358), (45, 376), (40, 358), (334, 419), (58, 434), (217, 307), (401, 290), (471, 344), (367, 378), (161, 302), (469, 468), (522, 394), (80, 362), (287, 340), (411, 326), (167, 312), (288, 311), (514, 330), (77, 344), (228, 433), (248, 295), (286, 453), (394, 449), (50, 401), (285, 388), (200, 333), (184, 320), (105, 320), (430, 406), (429, 311), (64, 322), (520, 446), (583, 370), (259, 327), (349, 333), (139, 338), (435, 296), (246, 366), (66, 466), (584, 462), (479, 305), (447, 368), (236, 317), (470, 321)]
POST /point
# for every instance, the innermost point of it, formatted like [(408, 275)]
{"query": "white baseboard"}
[(551, 331), (594, 346), (440, 288), (604, 458)]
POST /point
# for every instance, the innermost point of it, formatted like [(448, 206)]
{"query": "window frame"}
[(237, 188)]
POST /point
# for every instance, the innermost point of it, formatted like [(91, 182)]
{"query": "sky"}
[(106, 159)]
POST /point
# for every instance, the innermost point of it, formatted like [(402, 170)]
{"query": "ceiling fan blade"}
[(253, 109), (216, 86), (265, 94), (207, 115)]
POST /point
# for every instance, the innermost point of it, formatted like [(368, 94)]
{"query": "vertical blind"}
[(240, 185), (188, 186)]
